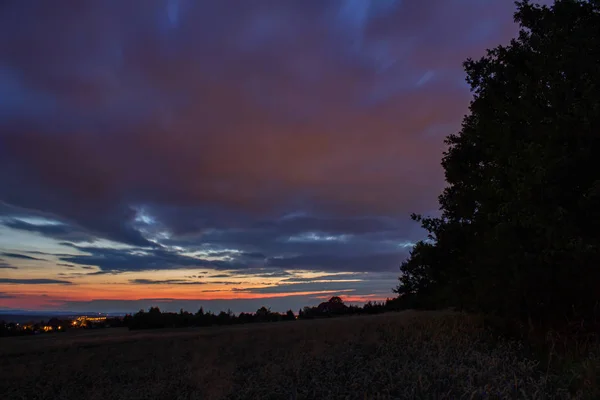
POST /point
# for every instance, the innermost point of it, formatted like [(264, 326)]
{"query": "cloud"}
[(164, 282), (329, 262), (5, 265), (253, 139), (221, 276), (20, 256), (59, 230), (179, 282), (301, 287), (342, 283), (142, 259), (6, 296), (45, 253), (339, 259), (357, 225), (68, 265), (334, 277), (343, 122), (254, 255), (35, 281)]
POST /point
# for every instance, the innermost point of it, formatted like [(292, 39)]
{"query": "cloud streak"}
[(34, 281), (59, 231), (20, 256), (164, 282), (5, 265)]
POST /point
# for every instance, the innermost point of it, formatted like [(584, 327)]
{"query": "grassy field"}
[(407, 355)]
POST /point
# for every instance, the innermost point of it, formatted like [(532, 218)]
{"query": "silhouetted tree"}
[(126, 319), (154, 318), (519, 232), (262, 314), (289, 316), (334, 306), (374, 308), (245, 318)]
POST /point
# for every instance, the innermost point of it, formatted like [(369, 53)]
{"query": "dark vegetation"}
[(154, 318), (518, 236), (404, 355), (519, 231)]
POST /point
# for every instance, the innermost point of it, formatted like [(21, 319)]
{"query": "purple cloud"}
[(286, 134)]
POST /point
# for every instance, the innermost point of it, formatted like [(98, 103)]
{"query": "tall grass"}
[(407, 355)]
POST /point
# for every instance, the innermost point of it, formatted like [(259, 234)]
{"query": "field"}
[(406, 355)]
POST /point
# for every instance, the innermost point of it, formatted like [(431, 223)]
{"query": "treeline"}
[(336, 307), (519, 232), (154, 318)]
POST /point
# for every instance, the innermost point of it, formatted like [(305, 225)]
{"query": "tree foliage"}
[(519, 230), (154, 318)]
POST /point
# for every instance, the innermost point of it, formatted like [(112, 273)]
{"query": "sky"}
[(224, 154)]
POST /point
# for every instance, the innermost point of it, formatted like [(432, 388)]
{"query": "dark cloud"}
[(102, 272), (328, 262), (5, 265), (275, 243), (274, 237), (20, 256), (6, 296), (360, 225), (349, 284), (301, 287), (70, 265), (264, 273), (356, 94), (59, 231), (164, 282), (8, 211), (44, 253), (254, 255), (34, 281), (119, 260), (278, 135), (72, 274), (179, 282), (335, 277)]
